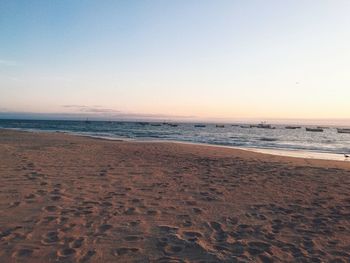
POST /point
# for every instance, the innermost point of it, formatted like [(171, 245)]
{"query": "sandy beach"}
[(67, 198)]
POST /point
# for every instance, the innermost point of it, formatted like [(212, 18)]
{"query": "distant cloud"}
[(90, 109), (100, 111)]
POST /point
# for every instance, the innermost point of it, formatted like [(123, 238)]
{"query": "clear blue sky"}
[(209, 59)]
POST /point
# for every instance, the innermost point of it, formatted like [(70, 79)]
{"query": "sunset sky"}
[(176, 59)]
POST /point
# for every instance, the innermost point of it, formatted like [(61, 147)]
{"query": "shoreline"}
[(293, 153)]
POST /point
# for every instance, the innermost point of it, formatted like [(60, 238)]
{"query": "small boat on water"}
[(314, 129), (292, 127), (220, 126), (199, 125), (170, 124), (262, 125), (339, 130), (143, 123)]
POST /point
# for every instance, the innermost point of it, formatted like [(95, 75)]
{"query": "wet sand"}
[(66, 198)]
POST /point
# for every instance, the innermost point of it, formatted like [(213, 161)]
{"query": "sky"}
[(183, 59)]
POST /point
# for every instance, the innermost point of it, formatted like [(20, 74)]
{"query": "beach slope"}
[(66, 198)]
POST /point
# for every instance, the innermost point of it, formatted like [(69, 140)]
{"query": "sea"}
[(328, 144)]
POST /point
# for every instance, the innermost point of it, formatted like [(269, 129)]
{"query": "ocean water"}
[(328, 141)]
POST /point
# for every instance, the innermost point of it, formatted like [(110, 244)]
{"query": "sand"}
[(66, 198)]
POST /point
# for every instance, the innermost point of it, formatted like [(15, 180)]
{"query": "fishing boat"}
[(262, 125), (199, 126), (170, 124), (292, 127), (220, 126), (314, 129), (343, 130), (143, 123)]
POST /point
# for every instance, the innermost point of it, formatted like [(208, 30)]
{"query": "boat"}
[(143, 123), (292, 127), (220, 126), (340, 130), (314, 129), (265, 126), (170, 124), (262, 125), (199, 126)]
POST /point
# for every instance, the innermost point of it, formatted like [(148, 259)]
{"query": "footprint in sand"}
[(66, 252), (131, 211), (103, 172), (191, 203), (87, 256), (23, 252), (14, 204), (104, 228), (77, 243), (134, 223), (256, 248), (237, 248), (41, 192), (231, 220), (125, 250), (169, 260), (172, 249), (152, 212), (133, 238), (106, 204), (55, 197), (186, 220), (192, 236), (50, 238), (187, 223), (168, 229), (216, 226), (197, 210), (51, 208)]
